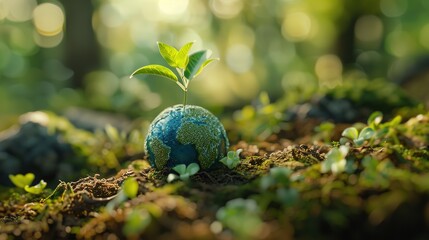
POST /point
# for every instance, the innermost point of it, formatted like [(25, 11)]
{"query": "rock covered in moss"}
[(33, 147), (185, 135)]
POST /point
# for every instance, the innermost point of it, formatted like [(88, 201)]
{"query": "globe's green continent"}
[(185, 135)]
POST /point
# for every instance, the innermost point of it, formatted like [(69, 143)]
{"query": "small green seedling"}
[(351, 134), (242, 217), (335, 160), (232, 159), (36, 189), (24, 181), (20, 180), (129, 190), (184, 172), (187, 66)]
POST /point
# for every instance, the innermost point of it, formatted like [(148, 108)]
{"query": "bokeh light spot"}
[(173, 7), (239, 58), (393, 8), (19, 10), (400, 43), (329, 70), (296, 26), (101, 82), (302, 83), (226, 8), (3, 9), (48, 41), (368, 28), (48, 19), (111, 15)]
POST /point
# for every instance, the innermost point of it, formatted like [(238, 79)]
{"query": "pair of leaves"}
[(357, 137), (191, 65), (335, 160), (184, 172), (232, 159), (175, 58), (24, 181)]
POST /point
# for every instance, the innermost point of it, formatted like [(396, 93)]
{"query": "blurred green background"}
[(59, 54)]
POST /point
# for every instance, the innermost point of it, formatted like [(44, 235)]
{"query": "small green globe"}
[(185, 135)]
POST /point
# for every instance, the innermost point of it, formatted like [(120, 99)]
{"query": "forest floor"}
[(278, 191)]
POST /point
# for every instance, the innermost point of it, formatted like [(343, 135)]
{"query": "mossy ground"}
[(389, 200)]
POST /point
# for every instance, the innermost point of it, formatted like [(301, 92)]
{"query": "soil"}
[(392, 201)]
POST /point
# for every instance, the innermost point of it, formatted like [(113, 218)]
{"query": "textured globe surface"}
[(185, 136)]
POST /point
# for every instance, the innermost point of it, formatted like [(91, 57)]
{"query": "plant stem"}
[(183, 85), (185, 93)]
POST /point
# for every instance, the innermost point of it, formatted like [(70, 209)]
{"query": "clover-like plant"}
[(187, 66), (24, 181), (232, 159), (36, 189), (335, 160), (184, 172), (351, 134), (21, 180)]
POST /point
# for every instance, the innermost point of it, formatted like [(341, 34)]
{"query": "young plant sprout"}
[(184, 172), (21, 180), (335, 160), (232, 159), (358, 138), (24, 181), (182, 135), (187, 66)]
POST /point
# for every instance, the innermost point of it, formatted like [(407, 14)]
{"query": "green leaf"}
[(395, 121), (375, 119), (335, 160), (136, 222), (36, 189), (184, 177), (130, 187), (112, 133), (168, 53), (20, 180), (180, 169), (192, 169), (182, 58), (351, 133), (196, 60), (366, 133), (156, 70), (207, 62)]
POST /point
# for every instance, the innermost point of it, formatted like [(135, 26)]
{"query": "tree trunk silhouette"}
[(81, 53)]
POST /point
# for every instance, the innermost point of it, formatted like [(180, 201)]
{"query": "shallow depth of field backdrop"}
[(59, 54)]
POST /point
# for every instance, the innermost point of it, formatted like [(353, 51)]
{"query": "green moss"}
[(161, 151), (204, 138)]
